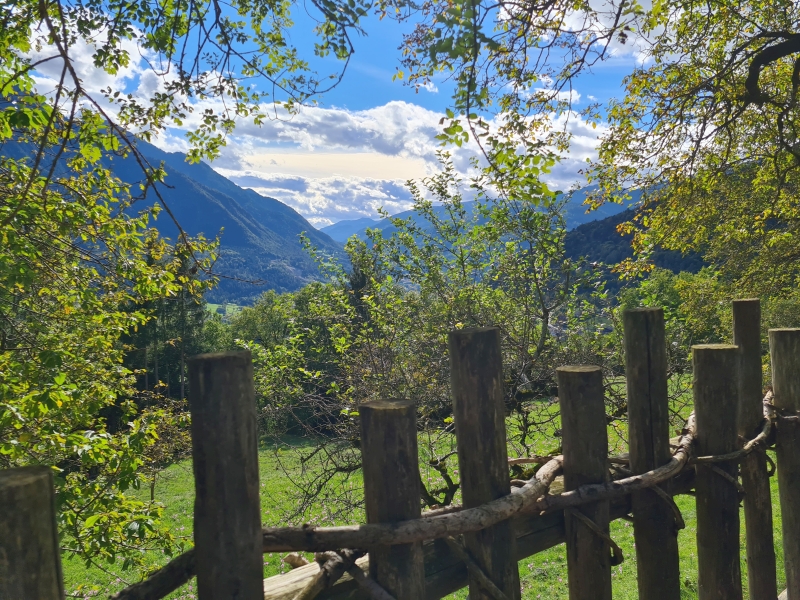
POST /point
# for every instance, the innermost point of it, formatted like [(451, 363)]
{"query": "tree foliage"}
[(75, 271), (380, 329), (707, 123), (87, 286), (709, 127)]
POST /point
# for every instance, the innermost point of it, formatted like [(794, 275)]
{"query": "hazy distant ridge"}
[(574, 213)]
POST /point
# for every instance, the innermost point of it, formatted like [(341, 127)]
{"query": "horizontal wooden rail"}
[(530, 499), (444, 572)]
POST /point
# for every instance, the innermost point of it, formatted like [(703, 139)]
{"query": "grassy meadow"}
[(225, 310), (542, 576)]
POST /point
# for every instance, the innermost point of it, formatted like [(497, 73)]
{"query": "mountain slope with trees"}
[(601, 242), (573, 209), (260, 245)]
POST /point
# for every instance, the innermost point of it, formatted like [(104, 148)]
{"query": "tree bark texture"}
[(476, 376), (585, 449), (716, 402), (761, 574), (392, 491), (784, 345), (654, 526), (30, 557), (227, 511)]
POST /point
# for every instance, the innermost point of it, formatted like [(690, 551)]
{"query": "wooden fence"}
[(404, 554)]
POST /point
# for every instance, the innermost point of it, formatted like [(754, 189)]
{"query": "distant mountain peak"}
[(575, 214), (342, 230)]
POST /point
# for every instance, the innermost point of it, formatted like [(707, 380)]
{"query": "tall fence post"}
[(654, 526), (476, 376), (227, 511), (761, 576), (784, 345), (716, 400), (585, 449), (392, 491), (30, 557)]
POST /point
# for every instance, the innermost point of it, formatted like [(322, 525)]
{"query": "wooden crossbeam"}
[(444, 572)]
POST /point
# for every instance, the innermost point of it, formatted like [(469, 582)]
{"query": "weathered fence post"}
[(227, 512), (654, 527), (585, 449), (716, 401), (30, 557), (784, 345), (761, 577), (392, 491), (476, 376)]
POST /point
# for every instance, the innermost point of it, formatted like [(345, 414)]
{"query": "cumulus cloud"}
[(48, 72), (326, 200), (583, 146), (631, 48), (396, 128), (331, 164)]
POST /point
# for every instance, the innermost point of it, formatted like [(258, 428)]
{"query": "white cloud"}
[(605, 13), (92, 79), (396, 128), (326, 200), (328, 164), (331, 164), (583, 146)]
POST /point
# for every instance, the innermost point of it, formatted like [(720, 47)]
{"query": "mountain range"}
[(575, 215), (599, 241), (260, 237)]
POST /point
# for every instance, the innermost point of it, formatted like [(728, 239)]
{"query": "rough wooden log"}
[(332, 566), (476, 377), (784, 345), (162, 582), (654, 526), (392, 491), (761, 575), (585, 448), (444, 572), (524, 501), (762, 441), (227, 511), (30, 558), (716, 400)]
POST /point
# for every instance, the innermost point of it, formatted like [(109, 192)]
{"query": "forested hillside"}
[(573, 209), (260, 246), (601, 242)]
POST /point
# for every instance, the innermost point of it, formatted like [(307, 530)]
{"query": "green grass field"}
[(225, 310), (542, 576)]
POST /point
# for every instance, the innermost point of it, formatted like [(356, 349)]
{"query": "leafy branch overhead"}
[(707, 123), (709, 126)]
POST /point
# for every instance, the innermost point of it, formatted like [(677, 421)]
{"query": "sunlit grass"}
[(542, 576)]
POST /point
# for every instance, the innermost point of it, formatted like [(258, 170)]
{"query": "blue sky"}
[(368, 80), (353, 153)]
